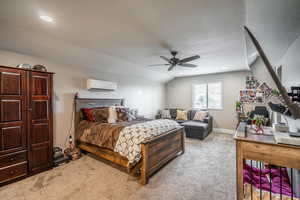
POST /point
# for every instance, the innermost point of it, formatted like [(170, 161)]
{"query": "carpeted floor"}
[(205, 172)]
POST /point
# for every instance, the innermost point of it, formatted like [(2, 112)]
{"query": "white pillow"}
[(200, 115), (165, 114), (112, 115)]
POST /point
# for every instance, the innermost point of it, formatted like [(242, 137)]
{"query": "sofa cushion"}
[(181, 115), (165, 114), (195, 124), (173, 112), (200, 115), (192, 113)]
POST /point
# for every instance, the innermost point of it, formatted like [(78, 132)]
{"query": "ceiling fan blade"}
[(187, 65), (171, 67), (165, 58), (185, 60), (157, 65)]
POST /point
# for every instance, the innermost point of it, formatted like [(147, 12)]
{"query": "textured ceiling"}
[(124, 36)]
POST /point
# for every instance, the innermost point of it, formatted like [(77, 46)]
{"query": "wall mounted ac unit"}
[(93, 84)]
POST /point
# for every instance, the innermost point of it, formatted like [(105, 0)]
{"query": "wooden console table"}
[(263, 148)]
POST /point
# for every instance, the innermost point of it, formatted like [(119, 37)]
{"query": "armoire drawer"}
[(12, 159), (12, 172)]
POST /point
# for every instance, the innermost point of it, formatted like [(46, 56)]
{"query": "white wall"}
[(179, 94), (291, 74), (147, 96)]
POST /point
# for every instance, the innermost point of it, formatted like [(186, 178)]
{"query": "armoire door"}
[(12, 110), (40, 121)]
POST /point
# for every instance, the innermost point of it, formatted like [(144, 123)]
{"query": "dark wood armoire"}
[(26, 123)]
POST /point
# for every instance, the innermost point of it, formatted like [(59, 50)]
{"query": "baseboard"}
[(223, 130)]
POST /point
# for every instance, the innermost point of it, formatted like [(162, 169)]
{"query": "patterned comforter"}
[(131, 137), (124, 138)]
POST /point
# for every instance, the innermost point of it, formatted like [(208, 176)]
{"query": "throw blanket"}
[(261, 180), (103, 135), (131, 137)]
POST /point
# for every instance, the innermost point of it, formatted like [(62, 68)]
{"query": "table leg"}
[(239, 171)]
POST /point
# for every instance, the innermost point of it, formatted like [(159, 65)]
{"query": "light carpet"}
[(205, 172)]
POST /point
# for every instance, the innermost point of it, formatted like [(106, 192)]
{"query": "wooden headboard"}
[(91, 103)]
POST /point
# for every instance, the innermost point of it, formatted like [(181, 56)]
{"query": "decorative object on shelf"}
[(24, 66), (39, 68), (266, 89), (295, 94), (252, 96), (258, 121), (251, 82)]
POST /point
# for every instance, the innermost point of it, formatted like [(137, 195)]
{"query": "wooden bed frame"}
[(156, 152)]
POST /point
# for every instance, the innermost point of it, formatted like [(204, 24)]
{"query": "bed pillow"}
[(112, 115), (181, 115), (89, 114), (200, 115), (100, 114), (165, 114)]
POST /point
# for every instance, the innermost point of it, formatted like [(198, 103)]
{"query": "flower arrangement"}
[(259, 121)]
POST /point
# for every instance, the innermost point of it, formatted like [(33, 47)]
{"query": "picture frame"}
[(252, 96)]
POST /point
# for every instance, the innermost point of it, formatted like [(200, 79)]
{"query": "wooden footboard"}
[(160, 150), (155, 154)]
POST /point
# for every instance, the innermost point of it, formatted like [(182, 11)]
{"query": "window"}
[(207, 96)]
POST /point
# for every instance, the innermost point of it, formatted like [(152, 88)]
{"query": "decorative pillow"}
[(122, 114), (112, 115), (87, 113), (181, 115), (132, 114), (165, 114), (100, 114), (200, 115)]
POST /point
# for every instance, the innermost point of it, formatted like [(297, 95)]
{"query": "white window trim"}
[(207, 108)]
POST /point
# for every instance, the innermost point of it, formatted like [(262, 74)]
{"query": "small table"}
[(263, 148)]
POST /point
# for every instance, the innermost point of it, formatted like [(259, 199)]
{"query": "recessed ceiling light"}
[(47, 18)]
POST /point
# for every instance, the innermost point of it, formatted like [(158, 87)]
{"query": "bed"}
[(155, 152)]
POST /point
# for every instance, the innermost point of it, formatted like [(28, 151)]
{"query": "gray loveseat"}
[(193, 129)]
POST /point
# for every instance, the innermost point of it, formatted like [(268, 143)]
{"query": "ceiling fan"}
[(173, 62)]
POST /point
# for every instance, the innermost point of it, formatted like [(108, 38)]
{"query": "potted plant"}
[(259, 121), (238, 106)]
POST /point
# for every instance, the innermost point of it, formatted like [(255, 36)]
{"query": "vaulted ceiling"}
[(125, 36)]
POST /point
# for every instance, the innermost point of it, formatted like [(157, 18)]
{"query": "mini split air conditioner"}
[(93, 84)]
